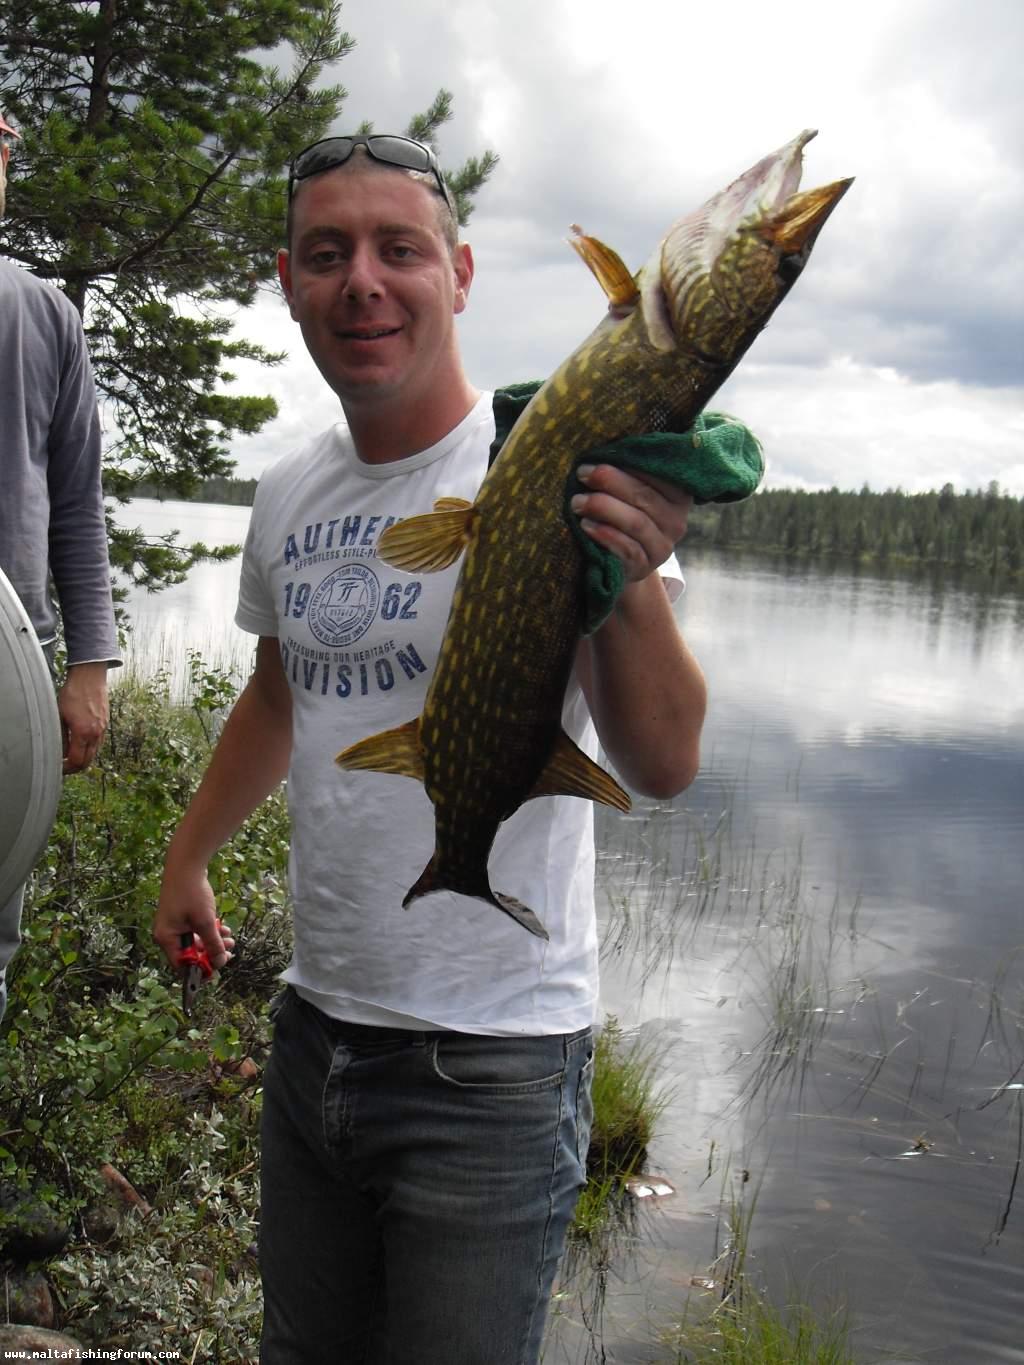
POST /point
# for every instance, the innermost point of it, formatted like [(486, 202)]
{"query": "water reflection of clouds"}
[(838, 654), (865, 742), (897, 822), (691, 1011), (887, 1054)]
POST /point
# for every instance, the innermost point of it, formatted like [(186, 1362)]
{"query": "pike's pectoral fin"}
[(569, 772), (390, 751), (611, 272), (431, 541)]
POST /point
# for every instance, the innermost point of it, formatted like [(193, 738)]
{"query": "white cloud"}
[(847, 424)]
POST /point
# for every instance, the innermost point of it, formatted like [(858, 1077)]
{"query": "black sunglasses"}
[(393, 151)]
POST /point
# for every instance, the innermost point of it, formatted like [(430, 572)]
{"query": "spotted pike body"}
[(490, 735)]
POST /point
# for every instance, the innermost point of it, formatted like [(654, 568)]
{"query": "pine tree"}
[(149, 184)]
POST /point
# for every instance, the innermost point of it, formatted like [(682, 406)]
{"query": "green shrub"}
[(98, 1063)]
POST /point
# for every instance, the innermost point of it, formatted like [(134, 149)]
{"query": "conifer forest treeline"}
[(978, 530)]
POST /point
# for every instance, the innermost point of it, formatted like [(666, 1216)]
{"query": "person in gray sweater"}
[(52, 525)]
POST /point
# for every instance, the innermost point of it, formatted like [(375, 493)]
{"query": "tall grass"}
[(164, 653), (759, 1333), (744, 1327), (627, 1100)]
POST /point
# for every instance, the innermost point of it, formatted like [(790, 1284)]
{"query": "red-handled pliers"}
[(197, 969)]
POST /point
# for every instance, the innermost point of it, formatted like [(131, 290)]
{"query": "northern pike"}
[(490, 735)]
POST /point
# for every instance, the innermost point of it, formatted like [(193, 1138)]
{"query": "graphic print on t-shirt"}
[(348, 621), (343, 607)]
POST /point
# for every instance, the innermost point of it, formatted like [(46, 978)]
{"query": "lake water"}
[(823, 941)]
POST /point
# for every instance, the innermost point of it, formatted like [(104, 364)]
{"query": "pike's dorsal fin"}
[(569, 772), (390, 751), (431, 541), (610, 270)]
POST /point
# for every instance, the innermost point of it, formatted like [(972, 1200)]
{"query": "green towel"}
[(717, 460)]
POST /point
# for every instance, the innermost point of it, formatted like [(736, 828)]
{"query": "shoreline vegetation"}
[(128, 1131), (979, 530)]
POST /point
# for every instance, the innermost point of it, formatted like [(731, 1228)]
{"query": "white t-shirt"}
[(359, 641)]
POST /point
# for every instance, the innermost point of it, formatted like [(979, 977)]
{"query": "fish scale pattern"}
[(492, 714)]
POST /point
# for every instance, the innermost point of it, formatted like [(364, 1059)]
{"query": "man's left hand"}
[(84, 713), (637, 517)]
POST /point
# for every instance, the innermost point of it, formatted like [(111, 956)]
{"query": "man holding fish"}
[(426, 1105)]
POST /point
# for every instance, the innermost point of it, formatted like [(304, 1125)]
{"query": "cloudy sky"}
[(897, 359)]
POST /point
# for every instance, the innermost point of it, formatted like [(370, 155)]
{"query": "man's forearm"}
[(646, 691)]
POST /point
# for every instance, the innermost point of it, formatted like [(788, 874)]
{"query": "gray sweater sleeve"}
[(79, 559), (52, 520)]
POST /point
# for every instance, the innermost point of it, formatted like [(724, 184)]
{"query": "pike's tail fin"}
[(434, 878)]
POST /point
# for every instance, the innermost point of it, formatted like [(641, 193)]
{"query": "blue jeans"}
[(416, 1190)]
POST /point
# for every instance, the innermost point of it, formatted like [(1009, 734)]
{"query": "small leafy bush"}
[(99, 1065)]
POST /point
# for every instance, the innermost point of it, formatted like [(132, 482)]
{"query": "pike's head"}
[(719, 273)]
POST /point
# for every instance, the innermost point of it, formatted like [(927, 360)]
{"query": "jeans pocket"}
[(499, 1066), (584, 1111)]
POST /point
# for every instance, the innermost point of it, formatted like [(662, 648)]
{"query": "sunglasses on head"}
[(392, 151)]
